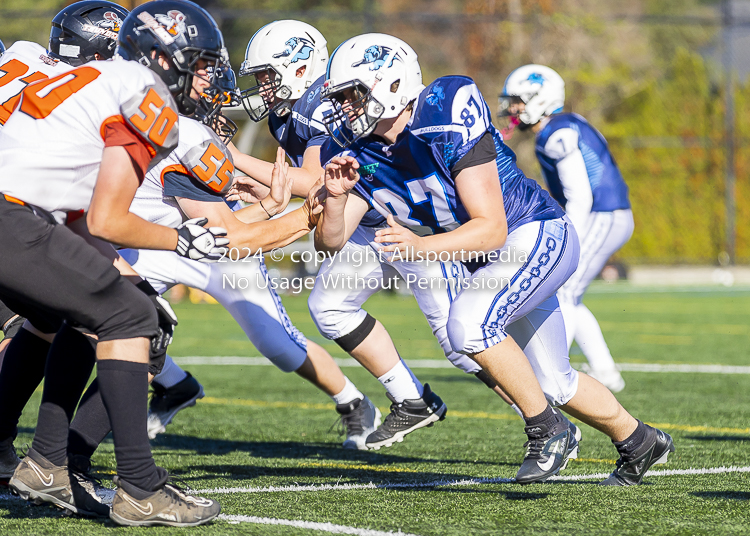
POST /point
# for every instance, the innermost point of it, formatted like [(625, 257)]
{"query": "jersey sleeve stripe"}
[(179, 168)]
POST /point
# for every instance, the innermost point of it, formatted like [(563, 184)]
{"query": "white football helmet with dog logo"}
[(540, 88), (286, 57)]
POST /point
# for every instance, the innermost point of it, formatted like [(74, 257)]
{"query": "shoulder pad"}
[(209, 161), (152, 113)]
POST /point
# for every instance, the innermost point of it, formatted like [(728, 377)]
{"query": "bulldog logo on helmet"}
[(376, 55), (536, 78), (293, 44)]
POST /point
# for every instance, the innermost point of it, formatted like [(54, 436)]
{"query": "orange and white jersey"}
[(201, 168), (51, 145), (22, 64)]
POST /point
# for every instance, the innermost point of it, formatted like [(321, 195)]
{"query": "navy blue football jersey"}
[(303, 126), (563, 135), (411, 179)]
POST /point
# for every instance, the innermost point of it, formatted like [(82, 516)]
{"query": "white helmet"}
[(289, 55), (540, 88), (370, 77)]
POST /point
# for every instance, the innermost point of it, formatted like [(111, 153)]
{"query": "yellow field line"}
[(453, 414), (364, 467)]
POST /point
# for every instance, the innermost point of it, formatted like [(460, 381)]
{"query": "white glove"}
[(200, 244)]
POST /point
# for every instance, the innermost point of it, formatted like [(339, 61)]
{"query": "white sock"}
[(589, 337), (401, 384), (170, 375), (348, 394)]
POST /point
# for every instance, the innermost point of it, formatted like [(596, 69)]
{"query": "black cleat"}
[(406, 417), (166, 402), (8, 461), (630, 469), (359, 418), (548, 451)]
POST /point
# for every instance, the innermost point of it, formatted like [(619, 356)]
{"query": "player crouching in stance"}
[(583, 177), (443, 170), (102, 125)]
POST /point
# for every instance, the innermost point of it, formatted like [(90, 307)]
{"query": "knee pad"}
[(333, 323), (457, 334), (351, 340)]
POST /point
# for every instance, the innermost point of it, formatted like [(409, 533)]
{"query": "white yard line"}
[(311, 525), (464, 482), (445, 364)]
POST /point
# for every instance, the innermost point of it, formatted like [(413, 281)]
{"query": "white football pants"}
[(517, 298)]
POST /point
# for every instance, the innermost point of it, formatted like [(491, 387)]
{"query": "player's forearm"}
[(260, 170), (270, 234), (476, 235), (330, 233), (251, 214), (130, 231)]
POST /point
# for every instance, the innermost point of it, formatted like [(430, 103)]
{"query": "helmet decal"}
[(302, 54), (376, 55), (536, 78), (173, 21), (436, 96), (107, 27)]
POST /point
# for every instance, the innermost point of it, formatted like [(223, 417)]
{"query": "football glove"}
[(167, 321), (202, 244)]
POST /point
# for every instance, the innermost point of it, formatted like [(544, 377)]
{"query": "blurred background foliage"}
[(645, 73)]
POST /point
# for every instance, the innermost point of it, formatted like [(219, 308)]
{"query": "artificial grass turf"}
[(259, 427)]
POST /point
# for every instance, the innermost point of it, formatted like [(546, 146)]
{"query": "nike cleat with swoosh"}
[(548, 451), (168, 506), (38, 480), (631, 468)]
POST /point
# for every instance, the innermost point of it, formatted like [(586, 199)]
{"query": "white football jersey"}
[(51, 146), (23, 63), (202, 156)]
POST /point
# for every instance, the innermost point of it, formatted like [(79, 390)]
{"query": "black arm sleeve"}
[(178, 184), (483, 151)]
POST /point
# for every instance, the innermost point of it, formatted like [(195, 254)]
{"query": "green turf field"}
[(262, 442)]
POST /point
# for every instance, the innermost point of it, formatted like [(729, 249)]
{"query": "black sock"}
[(69, 364), (633, 441), (549, 417), (21, 374), (124, 390), (89, 427)]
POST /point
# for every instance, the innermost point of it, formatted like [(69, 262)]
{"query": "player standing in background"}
[(102, 124), (449, 185), (582, 176)]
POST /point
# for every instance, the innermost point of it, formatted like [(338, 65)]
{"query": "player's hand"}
[(281, 186), (313, 205), (341, 175), (248, 190), (198, 243), (399, 238)]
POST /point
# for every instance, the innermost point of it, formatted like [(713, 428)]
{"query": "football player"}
[(102, 125), (440, 174), (287, 59), (75, 28), (582, 176)]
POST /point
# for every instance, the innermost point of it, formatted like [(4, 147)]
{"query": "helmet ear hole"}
[(394, 86)]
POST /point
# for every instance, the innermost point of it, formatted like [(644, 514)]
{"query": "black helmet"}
[(223, 93), (183, 33), (84, 29), (2, 48)]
